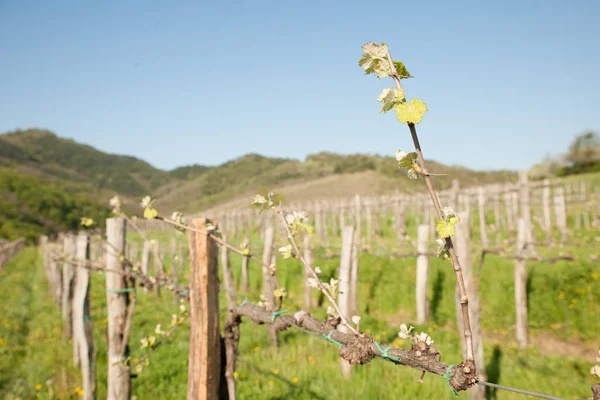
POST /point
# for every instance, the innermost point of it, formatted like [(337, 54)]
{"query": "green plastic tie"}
[(126, 290), (384, 352), (330, 339), (277, 313), (447, 379)]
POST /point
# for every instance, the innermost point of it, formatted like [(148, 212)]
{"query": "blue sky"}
[(202, 82)]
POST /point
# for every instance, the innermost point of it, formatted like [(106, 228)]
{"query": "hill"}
[(320, 176), (42, 153), (30, 207), (82, 169)]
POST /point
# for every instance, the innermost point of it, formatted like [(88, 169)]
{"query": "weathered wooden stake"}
[(68, 285), (422, 273), (119, 385), (245, 261), (560, 212), (462, 240), (524, 206), (204, 365), (146, 260), (309, 260), (482, 227), (83, 333), (400, 222), (345, 276), (546, 209), (522, 331), (268, 284), (174, 275), (232, 330)]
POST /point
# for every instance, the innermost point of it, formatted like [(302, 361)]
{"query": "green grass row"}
[(35, 363)]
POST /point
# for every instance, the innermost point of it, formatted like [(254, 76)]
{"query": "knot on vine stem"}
[(330, 323), (422, 349), (596, 392), (463, 376), (358, 351)]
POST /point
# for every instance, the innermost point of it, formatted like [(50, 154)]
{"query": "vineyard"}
[(490, 292)]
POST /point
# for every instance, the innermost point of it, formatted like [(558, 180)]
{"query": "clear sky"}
[(177, 82)]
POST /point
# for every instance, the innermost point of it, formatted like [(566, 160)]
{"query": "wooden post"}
[(68, 286), (482, 228), (356, 248), (522, 333), (309, 260), (57, 274), (560, 213), (400, 222), (119, 385), (325, 229), (146, 260), (422, 273), (508, 208), (334, 221), (377, 225), (318, 221), (245, 260), (174, 277), (267, 258), (83, 333), (546, 209), (344, 298), (268, 286), (357, 219), (462, 239), (232, 330), (525, 205), (158, 267), (369, 215), (204, 365), (497, 216)]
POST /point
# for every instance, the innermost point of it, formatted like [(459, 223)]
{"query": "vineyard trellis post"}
[(68, 285), (346, 295), (119, 379), (232, 328), (463, 249), (268, 284), (524, 206), (146, 249), (422, 274), (245, 260), (204, 365), (83, 333), (521, 329), (309, 261), (482, 227)]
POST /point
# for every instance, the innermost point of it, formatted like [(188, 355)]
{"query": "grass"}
[(36, 363)]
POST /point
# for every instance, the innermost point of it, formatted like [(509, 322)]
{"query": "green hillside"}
[(84, 170), (30, 207), (246, 175), (42, 152)]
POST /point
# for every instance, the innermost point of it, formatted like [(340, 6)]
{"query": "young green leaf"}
[(390, 97), (150, 213), (374, 61), (411, 111), (444, 228), (401, 70)]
